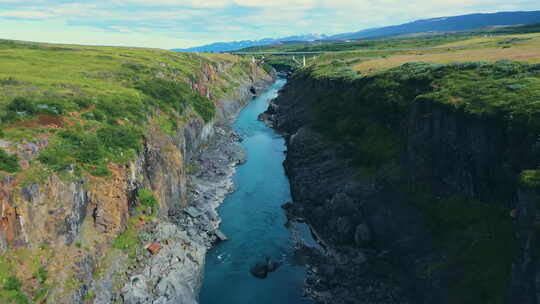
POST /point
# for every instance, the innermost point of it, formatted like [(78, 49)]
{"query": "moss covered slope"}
[(92, 103), (93, 147)]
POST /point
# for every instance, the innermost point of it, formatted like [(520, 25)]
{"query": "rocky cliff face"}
[(444, 220), (74, 228)]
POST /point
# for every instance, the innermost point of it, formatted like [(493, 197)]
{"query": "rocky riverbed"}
[(174, 274), (257, 264)]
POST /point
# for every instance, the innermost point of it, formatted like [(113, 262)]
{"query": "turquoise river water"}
[(254, 222)]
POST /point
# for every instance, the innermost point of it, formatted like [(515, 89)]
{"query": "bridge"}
[(299, 59), (301, 62), (279, 53)]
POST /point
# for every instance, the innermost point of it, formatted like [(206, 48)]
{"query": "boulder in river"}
[(220, 235), (261, 270)]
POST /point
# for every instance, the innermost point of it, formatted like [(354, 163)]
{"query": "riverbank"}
[(174, 275)]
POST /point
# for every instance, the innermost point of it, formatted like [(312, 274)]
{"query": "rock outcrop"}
[(174, 274), (426, 226)]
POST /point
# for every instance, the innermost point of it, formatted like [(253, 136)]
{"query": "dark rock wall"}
[(377, 231)]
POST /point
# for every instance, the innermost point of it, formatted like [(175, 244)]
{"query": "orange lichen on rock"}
[(154, 248), (109, 201)]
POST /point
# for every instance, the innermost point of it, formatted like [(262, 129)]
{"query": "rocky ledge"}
[(171, 267), (173, 274)]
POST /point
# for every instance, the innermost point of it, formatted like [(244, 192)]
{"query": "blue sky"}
[(184, 23)]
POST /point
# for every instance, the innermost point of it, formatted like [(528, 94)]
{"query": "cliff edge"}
[(421, 182)]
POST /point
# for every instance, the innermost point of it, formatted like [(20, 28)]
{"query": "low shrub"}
[(99, 170), (41, 274), (8, 162), (114, 108), (168, 124), (203, 106), (128, 240), (12, 283), (116, 138), (92, 151), (177, 96), (21, 107), (12, 292), (267, 68), (147, 198), (167, 93), (94, 115), (530, 178), (83, 103), (21, 134), (134, 66), (55, 157), (10, 81)]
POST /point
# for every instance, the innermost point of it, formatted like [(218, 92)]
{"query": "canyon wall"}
[(416, 200), (82, 230)]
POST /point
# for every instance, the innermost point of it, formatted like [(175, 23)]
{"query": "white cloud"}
[(278, 4), (121, 29), (178, 3), (202, 21), (27, 14), (217, 3), (21, 1)]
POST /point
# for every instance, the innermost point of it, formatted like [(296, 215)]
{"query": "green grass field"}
[(83, 99), (516, 47), (354, 59), (28, 69)]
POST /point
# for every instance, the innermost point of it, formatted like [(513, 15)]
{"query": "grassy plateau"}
[(81, 112), (92, 103)]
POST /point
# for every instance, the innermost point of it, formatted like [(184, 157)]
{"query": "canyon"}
[(144, 176)]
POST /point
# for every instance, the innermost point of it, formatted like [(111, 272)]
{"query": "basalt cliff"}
[(420, 182)]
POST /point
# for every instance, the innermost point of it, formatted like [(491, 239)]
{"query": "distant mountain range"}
[(237, 45), (442, 24), (446, 24)]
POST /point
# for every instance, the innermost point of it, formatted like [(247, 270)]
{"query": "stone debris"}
[(153, 248), (194, 212), (220, 235), (175, 274)]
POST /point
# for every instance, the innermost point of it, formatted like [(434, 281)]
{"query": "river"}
[(254, 222)]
